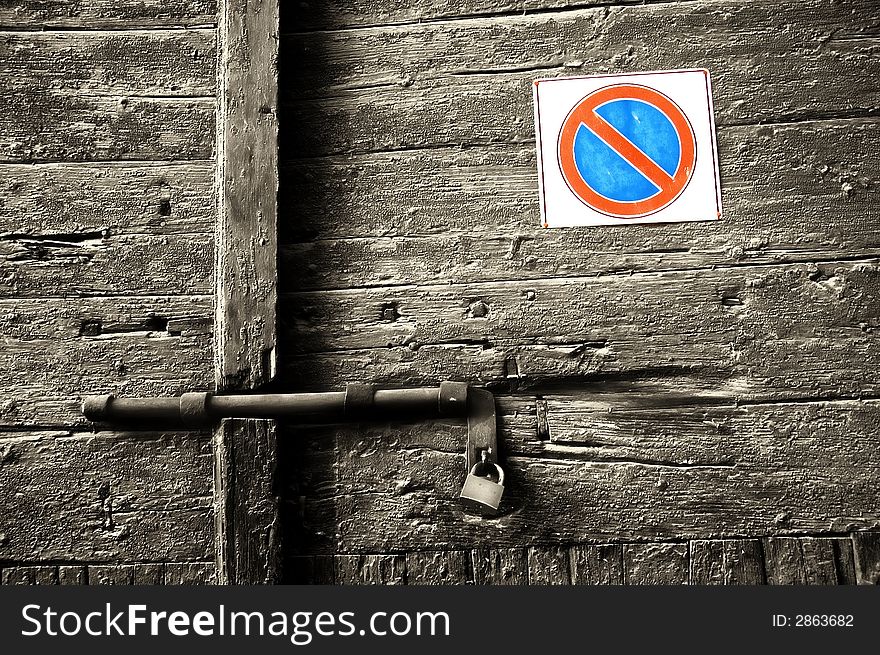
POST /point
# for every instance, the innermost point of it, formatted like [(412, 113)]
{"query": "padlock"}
[(480, 495)]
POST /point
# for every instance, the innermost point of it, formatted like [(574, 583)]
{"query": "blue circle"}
[(609, 174)]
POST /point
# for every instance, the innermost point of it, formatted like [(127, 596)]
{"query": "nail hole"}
[(90, 328), (157, 324)]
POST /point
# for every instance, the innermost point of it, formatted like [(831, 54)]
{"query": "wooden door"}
[(679, 403)]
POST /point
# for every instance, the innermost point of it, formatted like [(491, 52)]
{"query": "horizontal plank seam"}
[(9, 161), (203, 99), (109, 163), (99, 296), (50, 29)]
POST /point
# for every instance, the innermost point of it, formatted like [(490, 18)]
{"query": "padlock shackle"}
[(497, 468)]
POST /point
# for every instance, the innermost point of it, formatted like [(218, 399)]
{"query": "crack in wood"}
[(481, 16)]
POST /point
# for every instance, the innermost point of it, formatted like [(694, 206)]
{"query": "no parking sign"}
[(618, 149)]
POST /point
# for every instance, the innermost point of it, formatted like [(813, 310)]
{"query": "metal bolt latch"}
[(199, 410)]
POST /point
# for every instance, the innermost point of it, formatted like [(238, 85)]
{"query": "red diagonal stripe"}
[(625, 148)]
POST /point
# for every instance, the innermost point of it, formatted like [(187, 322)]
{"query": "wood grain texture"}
[(337, 14), (438, 568), (189, 573), (752, 472), (867, 557), (70, 201), (246, 505), (54, 127), (172, 573), (247, 181), (58, 350), (127, 574), (72, 575), (549, 565), (248, 515), (728, 562), (791, 193), (30, 575), (167, 63), (79, 96), (106, 14), (502, 566), (111, 497), (469, 82), (655, 564), (597, 564), (105, 264), (809, 560), (122, 229), (370, 570), (738, 333)]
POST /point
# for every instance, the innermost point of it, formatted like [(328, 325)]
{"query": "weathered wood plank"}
[(438, 567), (247, 529), (727, 562), (807, 560), (784, 561), (30, 575), (791, 193), (738, 333), (655, 564), (189, 573), (106, 14), (136, 63), (56, 126), (469, 82), (58, 350), (127, 574), (323, 15), (549, 565), (106, 228), (69, 200), (247, 179), (111, 496), (245, 501), (594, 565), (395, 487), (503, 566), (100, 263), (370, 569), (866, 546), (72, 575), (845, 561)]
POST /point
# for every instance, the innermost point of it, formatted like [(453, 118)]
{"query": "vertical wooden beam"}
[(246, 505), (247, 190), (246, 508)]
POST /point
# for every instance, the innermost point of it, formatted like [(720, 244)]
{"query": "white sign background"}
[(691, 90)]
